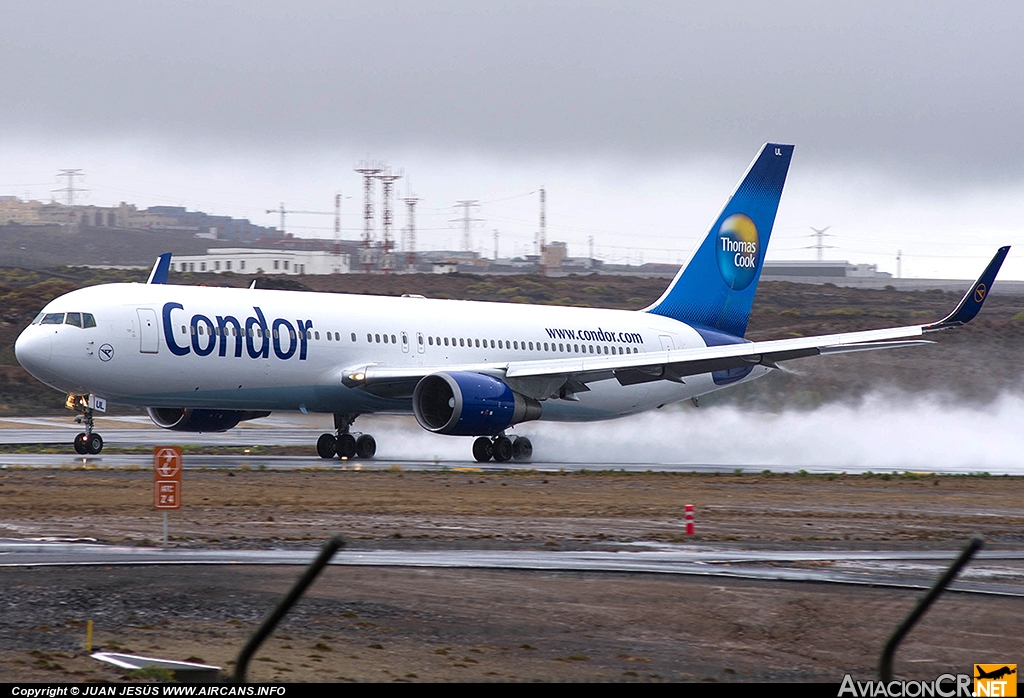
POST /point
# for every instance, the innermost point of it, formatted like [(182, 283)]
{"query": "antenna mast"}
[(387, 181), (409, 244), (369, 169)]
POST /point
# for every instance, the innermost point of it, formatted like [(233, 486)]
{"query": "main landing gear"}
[(344, 444), (502, 449), (88, 442)]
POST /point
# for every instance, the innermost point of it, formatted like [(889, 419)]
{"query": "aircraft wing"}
[(546, 377)]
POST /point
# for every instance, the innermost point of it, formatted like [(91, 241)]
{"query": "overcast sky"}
[(638, 120)]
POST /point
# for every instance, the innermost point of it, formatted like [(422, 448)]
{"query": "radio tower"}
[(369, 170), (387, 181), (409, 243)]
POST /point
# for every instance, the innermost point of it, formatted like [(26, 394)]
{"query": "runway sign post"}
[(689, 519), (166, 481)]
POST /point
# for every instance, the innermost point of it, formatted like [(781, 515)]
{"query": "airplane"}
[(995, 673), (206, 359)]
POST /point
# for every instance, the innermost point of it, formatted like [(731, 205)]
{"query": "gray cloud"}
[(925, 89)]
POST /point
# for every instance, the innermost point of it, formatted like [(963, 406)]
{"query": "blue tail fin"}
[(716, 287)]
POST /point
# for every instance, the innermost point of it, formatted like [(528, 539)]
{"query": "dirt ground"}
[(374, 624)]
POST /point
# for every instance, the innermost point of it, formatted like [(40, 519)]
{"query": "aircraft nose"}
[(33, 349)]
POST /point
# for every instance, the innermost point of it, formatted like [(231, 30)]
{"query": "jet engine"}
[(469, 404), (181, 419)]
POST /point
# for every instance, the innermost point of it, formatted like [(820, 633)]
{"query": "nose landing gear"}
[(502, 449), (87, 442), (344, 444)]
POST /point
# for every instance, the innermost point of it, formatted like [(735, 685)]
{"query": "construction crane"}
[(336, 213)]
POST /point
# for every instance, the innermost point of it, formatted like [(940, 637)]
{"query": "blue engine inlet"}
[(469, 404)]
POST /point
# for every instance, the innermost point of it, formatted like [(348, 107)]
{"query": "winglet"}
[(975, 297), (160, 269)]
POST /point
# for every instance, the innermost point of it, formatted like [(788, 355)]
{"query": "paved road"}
[(992, 572)]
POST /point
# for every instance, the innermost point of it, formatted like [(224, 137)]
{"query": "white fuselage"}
[(152, 347)]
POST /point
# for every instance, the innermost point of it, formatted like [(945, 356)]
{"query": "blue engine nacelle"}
[(180, 419), (469, 404)]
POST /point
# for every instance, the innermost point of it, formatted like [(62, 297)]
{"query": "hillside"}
[(41, 247), (973, 364)]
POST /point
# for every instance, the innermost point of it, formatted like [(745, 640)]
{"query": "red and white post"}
[(689, 519)]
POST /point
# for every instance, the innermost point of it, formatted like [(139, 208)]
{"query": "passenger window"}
[(393, 340), (74, 319), (446, 341), (353, 336), (317, 335), (369, 337), (430, 341), (478, 342), (385, 338), (52, 319), (462, 342)]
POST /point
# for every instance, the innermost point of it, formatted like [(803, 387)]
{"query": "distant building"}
[(819, 271), (243, 260), (124, 215), (215, 227)]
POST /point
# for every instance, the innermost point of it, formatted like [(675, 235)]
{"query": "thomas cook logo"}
[(738, 250), (979, 293), (995, 680)]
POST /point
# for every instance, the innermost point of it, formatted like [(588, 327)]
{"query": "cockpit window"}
[(38, 318), (74, 319), (52, 319), (88, 320)]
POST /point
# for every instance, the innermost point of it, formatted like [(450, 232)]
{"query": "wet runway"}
[(298, 431), (991, 572)]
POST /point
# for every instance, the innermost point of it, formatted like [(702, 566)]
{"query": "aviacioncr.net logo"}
[(738, 249)]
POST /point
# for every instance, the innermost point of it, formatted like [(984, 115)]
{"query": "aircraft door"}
[(666, 342), (420, 346), (149, 333), (405, 342)]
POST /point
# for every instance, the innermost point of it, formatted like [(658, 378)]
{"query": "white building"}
[(242, 260)]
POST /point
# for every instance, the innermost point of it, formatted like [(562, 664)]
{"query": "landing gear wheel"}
[(326, 446), (365, 446), (80, 446), (347, 446), (482, 449), (502, 447), (94, 443), (522, 448)]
